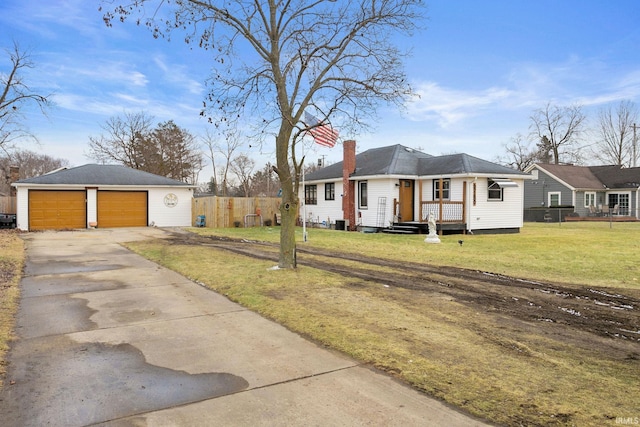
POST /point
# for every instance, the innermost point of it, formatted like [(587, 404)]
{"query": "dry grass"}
[(11, 262), (476, 361)]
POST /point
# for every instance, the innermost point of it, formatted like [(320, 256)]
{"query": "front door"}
[(406, 200)]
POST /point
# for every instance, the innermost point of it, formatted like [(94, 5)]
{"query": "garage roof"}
[(94, 174)]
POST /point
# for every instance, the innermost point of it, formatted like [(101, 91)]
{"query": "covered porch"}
[(449, 215)]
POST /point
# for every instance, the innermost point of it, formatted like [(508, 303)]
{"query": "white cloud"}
[(178, 75), (37, 17), (523, 88), (449, 106)]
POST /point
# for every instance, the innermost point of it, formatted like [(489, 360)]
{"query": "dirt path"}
[(605, 320)]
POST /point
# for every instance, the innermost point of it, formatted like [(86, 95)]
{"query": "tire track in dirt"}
[(604, 312)]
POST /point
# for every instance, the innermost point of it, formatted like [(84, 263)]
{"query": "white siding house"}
[(397, 185)]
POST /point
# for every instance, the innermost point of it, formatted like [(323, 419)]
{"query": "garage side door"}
[(122, 209), (57, 210)]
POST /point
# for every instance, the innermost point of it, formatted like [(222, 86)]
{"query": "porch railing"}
[(452, 212), (443, 211)]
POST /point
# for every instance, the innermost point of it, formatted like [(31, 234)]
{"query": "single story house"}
[(591, 190), (399, 185), (103, 196)]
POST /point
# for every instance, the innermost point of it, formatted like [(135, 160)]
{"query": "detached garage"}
[(105, 196)]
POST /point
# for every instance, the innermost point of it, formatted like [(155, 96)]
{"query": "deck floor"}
[(615, 218)]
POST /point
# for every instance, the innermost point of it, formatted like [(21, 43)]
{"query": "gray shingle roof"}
[(594, 177), (392, 160), (617, 177), (401, 160), (463, 164), (93, 174), (576, 176)]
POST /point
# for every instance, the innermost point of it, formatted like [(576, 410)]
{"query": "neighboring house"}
[(590, 190), (396, 184), (103, 196)]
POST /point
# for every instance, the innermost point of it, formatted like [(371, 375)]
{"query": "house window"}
[(555, 199), (622, 202), (330, 191), (494, 191), (589, 199), (311, 194), (446, 185), (363, 197)]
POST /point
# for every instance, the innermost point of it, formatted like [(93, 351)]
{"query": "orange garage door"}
[(122, 209), (57, 210)]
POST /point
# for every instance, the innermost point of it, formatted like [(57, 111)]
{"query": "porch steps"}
[(415, 227), (402, 229)]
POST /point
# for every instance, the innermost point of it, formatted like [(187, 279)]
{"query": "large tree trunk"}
[(288, 234), (290, 202)]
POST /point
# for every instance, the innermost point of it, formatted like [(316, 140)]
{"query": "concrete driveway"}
[(107, 337)]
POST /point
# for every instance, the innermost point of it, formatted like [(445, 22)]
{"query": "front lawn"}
[(508, 370)]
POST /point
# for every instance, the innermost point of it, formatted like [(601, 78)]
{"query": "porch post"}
[(420, 201), (441, 204)]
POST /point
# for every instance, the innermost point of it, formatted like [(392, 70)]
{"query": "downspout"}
[(464, 204)]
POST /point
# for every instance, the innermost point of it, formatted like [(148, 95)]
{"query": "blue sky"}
[(480, 67)]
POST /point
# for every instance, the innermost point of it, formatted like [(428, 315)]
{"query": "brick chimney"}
[(348, 187)]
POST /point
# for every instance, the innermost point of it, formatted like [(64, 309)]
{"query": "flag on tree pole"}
[(323, 134)]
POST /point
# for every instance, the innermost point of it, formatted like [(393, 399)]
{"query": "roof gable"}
[(93, 174), (576, 177)]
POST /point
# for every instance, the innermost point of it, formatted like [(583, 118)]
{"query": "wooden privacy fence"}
[(7, 205), (221, 212)]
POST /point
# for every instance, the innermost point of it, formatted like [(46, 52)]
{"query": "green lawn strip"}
[(442, 347), (11, 263)]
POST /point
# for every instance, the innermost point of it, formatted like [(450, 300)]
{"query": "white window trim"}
[(553, 193), (593, 196), (360, 205), (491, 183)]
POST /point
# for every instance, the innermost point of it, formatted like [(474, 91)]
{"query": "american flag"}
[(323, 134)]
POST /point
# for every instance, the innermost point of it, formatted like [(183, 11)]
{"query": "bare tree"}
[(558, 130), (15, 95), (263, 183), (519, 153), (30, 164), (226, 146), (331, 59), (118, 143), (615, 134), (242, 166), (210, 142), (165, 150)]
